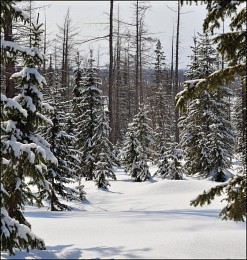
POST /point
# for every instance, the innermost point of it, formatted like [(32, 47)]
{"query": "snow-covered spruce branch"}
[(212, 82), (13, 47), (12, 104), (235, 190)]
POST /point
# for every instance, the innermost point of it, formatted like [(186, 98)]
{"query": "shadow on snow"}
[(65, 252)]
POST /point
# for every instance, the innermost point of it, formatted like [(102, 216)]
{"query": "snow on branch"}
[(47, 107), (189, 87), (17, 48), (44, 118), (26, 72), (218, 78), (14, 226), (20, 149), (11, 103), (25, 16), (43, 145)]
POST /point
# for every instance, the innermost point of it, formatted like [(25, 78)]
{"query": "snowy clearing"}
[(145, 220)]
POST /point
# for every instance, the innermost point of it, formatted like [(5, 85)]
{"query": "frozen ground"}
[(138, 220)]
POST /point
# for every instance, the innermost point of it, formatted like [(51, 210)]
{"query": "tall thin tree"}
[(176, 74), (111, 112)]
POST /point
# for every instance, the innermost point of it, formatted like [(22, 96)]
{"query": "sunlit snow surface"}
[(145, 220)]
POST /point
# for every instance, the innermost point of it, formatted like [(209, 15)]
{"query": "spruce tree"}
[(13, 234), (161, 144), (117, 150), (193, 136), (102, 146), (233, 46), (31, 99), (170, 166), (230, 44), (221, 136), (144, 132), (194, 71), (91, 123), (141, 168), (161, 102), (86, 106), (62, 144), (65, 172), (24, 152), (133, 157), (16, 156), (207, 135)]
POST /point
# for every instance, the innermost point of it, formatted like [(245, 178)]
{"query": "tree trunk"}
[(140, 66), (44, 62), (244, 116), (9, 66), (172, 69), (176, 76), (111, 112), (118, 83), (137, 59), (53, 197)]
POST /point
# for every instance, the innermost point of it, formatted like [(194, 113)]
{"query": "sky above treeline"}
[(91, 18)]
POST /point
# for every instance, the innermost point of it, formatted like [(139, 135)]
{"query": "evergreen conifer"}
[(207, 135), (24, 152), (170, 166), (233, 46)]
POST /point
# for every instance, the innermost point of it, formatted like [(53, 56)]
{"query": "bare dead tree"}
[(45, 43), (176, 74), (175, 78), (111, 112), (67, 39), (137, 58), (172, 58), (118, 82)]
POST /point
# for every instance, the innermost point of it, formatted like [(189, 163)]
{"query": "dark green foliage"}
[(87, 106), (235, 189), (161, 144), (92, 126), (233, 46), (104, 159), (206, 133), (117, 150), (137, 147), (170, 166), (204, 58), (62, 143), (130, 151), (239, 119), (24, 152), (8, 9), (103, 170), (11, 238), (13, 235), (161, 102), (144, 133), (65, 172), (141, 169), (133, 157)]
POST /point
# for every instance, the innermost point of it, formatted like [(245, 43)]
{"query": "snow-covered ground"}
[(146, 220)]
